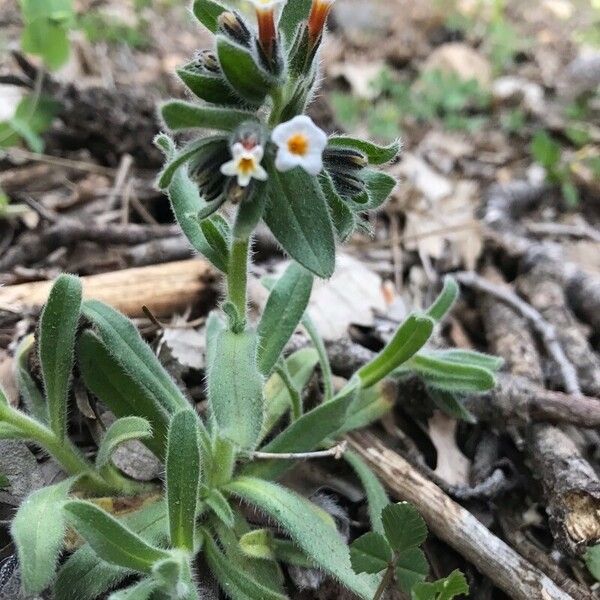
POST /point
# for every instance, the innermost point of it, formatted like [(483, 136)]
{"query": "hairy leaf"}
[(58, 327), (412, 567), (297, 215), (178, 115), (404, 527), (142, 590), (110, 539), (122, 430), (183, 478), (286, 305), (376, 155), (291, 16), (444, 302), (370, 405), (235, 388), (208, 87), (207, 12), (219, 505), (407, 341), (30, 392), (309, 526), (343, 218), (258, 544), (450, 404)]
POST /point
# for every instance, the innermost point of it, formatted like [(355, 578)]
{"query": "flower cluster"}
[(266, 155)]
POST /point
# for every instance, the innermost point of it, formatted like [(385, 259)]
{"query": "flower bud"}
[(344, 159), (317, 18), (204, 170), (346, 184), (235, 28), (206, 60)]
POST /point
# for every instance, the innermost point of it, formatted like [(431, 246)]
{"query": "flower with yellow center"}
[(245, 164), (300, 143)]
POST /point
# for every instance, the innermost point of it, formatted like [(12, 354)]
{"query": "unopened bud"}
[(317, 18), (204, 171), (233, 25), (344, 159)]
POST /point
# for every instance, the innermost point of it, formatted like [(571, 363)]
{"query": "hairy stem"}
[(283, 372), (237, 275), (317, 341)]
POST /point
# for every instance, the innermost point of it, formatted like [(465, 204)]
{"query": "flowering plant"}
[(268, 161)]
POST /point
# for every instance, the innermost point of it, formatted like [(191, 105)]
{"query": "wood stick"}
[(164, 288), (455, 525)]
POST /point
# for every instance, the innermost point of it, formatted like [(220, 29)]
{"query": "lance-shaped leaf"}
[(404, 526), (186, 202), (204, 145), (407, 341), (309, 526), (110, 539), (38, 530), (58, 327), (178, 115), (344, 220), (370, 553), (451, 376), (286, 305), (236, 581), (142, 590), (235, 388), (242, 71), (370, 405), (84, 577), (124, 342), (292, 15), (444, 302), (411, 568), (183, 477), (377, 498), (258, 544), (28, 388), (379, 186), (219, 505), (208, 87), (207, 12), (471, 357), (376, 155), (450, 404), (250, 212), (297, 215), (122, 430), (124, 394), (303, 435), (300, 365)]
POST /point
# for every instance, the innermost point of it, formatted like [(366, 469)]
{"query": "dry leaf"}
[(452, 465)]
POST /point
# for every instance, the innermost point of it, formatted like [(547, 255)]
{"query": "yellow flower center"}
[(246, 165), (298, 144)]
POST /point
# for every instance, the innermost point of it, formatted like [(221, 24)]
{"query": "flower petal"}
[(230, 168)]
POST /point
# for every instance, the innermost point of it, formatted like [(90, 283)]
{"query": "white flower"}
[(245, 164), (300, 143)]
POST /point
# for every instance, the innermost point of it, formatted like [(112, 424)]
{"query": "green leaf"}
[(376, 495), (309, 526), (236, 401), (408, 339), (46, 39), (443, 589), (142, 590), (38, 530), (379, 186), (450, 376), (370, 553), (411, 568), (182, 469), (370, 405), (242, 71), (444, 302), (297, 215), (291, 16), (207, 12), (211, 88), (303, 435), (286, 305), (258, 544), (124, 342), (205, 145), (250, 212), (545, 150), (404, 527), (122, 430), (376, 155), (84, 577), (300, 365), (450, 404), (471, 357), (110, 539), (179, 115), (236, 582), (124, 394), (58, 327), (592, 561), (219, 505), (344, 220), (187, 202), (223, 462), (30, 392)]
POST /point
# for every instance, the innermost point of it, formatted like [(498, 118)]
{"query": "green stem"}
[(385, 582), (317, 341), (282, 370), (237, 275)]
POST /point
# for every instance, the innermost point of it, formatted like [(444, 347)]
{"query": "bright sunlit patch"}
[(300, 143), (245, 164)]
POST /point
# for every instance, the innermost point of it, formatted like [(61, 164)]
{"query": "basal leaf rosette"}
[(255, 148)]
